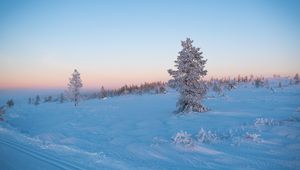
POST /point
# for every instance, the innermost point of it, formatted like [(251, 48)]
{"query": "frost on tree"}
[(188, 78), (74, 86)]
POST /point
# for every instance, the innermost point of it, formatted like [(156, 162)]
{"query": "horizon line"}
[(94, 87)]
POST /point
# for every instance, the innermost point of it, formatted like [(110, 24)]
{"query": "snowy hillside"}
[(248, 128)]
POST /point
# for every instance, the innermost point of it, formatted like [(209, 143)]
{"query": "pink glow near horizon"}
[(96, 81)]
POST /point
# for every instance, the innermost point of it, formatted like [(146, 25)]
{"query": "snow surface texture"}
[(248, 128)]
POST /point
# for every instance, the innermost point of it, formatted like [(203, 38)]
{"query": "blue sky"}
[(116, 42)]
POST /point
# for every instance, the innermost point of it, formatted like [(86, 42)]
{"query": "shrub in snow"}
[(206, 136), (183, 138), (231, 85), (253, 137), (266, 121), (188, 78), (160, 89), (74, 86), (48, 99), (258, 82), (10, 103)]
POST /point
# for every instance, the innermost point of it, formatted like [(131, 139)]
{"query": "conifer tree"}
[(37, 100), (297, 79), (188, 78), (103, 93), (61, 98), (10, 103), (74, 87), (29, 100)]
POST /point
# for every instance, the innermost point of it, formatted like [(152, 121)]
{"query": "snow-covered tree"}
[(297, 79), (61, 98), (258, 82), (279, 85), (2, 111), (29, 100), (103, 93), (74, 87), (188, 78), (37, 100), (217, 88), (48, 99), (10, 103)]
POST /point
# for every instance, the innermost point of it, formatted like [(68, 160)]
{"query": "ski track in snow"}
[(40, 156)]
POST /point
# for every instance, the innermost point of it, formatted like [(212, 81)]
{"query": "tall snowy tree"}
[(188, 78), (74, 86)]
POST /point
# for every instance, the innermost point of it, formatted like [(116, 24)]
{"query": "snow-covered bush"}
[(258, 82), (183, 138), (48, 99), (206, 136), (253, 137), (266, 121), (10, 103), (231, 85)]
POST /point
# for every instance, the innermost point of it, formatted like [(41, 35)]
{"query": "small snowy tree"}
[(188, 78), (37, 100), (10, 103), (103, 93), (2, 111), (279, 85), (217, 88), (61, 98), (74, 86), (258, 82), (297, 79), (29, 100)]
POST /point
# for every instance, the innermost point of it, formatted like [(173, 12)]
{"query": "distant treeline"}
[(153, 88), (218, 85)]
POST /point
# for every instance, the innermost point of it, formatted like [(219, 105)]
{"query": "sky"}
[(112, 43)]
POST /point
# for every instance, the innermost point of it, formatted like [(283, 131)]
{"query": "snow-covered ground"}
[(248, 128)]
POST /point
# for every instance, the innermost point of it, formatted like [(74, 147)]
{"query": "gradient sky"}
[(116, 42)]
